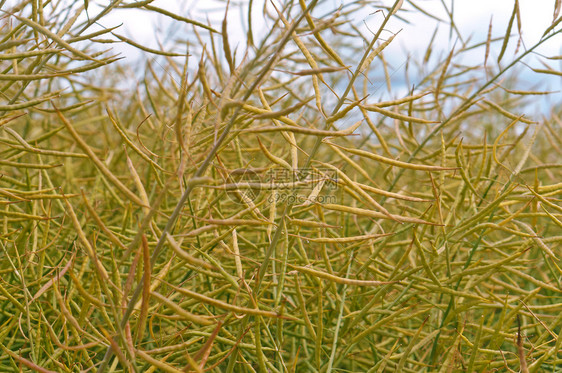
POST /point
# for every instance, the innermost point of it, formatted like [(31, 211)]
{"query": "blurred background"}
[(427, 31), (416, 31)]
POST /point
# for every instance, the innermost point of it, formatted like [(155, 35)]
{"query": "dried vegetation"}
[(263, 210)]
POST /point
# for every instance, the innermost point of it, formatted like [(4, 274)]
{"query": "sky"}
[(472, 19)]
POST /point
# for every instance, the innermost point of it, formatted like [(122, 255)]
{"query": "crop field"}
[(285, 203)]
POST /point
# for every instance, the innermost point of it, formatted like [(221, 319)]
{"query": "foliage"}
[(263, 211)]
